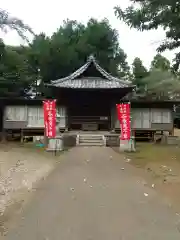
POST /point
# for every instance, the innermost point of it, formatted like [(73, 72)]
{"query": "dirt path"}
[(91, 197)]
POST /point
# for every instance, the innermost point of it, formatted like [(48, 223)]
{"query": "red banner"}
[(49, 107), (123, 112), (45, 109)]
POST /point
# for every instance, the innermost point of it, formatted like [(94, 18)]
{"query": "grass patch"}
[(149, 152), (159, 165)]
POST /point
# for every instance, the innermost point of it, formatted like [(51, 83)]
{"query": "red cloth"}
[(123, 112), (49, 107)]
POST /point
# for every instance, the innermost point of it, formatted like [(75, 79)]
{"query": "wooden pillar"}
[(67, 119), (22, 135), (4, 132), (4, 135), (113, 116), (45, 140), (171, 133)]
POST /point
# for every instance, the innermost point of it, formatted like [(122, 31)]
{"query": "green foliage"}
[(50, 58), (139, 73), (68, 48), (151, 14), (161, 63), (159, 82), (13, 23), (162, 84), (14, 73)]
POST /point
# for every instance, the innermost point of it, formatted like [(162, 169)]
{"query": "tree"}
[(139, 73), (62, 53), (14, 72), (159, 82), (68, 48), (162, 85), (151, 14), (59, 55), (13, 23), (160, 62)]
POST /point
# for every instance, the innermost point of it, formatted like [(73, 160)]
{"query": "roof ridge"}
[(72, 75), (108, 75), (90, 59)]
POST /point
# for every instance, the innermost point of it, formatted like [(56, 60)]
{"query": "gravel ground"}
[(93, 194), (20, 169)]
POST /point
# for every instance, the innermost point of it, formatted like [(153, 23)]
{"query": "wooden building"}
[(89, 97), (86, 101)]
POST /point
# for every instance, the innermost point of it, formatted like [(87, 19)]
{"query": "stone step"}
[(90, 137), (91, 140), (91, 144)]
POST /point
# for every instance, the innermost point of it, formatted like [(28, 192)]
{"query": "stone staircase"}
[(90, 140)]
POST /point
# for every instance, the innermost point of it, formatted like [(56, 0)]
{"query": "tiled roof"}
[(90, 82), (107, 80)]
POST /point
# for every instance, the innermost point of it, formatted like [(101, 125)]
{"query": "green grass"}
[(151, 152)]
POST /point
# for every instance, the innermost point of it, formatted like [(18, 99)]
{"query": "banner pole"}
[(130, 126), (129, 137), (132, 134), (45, 137)]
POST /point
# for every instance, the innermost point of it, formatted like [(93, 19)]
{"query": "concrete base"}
[(55, 144), (127, 145), (170, 140)]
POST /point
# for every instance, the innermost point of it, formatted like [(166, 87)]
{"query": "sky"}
[(47, 16)]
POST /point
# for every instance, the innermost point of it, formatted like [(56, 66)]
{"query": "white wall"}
[(15, 113), (142, 118), (33, 115)]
